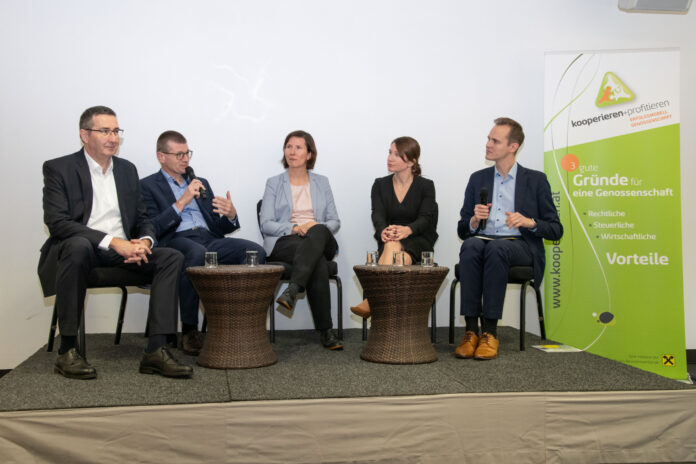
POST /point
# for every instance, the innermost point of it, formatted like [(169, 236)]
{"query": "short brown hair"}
[(409, 150), (89, 113), (311, 147), (516, 134), (169, 136)]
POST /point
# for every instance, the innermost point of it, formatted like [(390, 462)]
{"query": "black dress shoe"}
[(329, 340), (73, 366), (192, 342), (289, 297), (163, 363)]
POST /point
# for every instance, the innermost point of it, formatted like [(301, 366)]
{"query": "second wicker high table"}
[(400, 298)]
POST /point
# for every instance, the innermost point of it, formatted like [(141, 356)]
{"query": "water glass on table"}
[(211, 259), (252, 258), (399, 258)]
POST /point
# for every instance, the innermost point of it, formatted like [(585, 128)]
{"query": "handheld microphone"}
[(202, 192), (484, 201)]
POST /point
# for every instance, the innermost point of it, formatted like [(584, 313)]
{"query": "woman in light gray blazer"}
[(298, 220)]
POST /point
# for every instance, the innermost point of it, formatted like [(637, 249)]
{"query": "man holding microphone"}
[(190, 218), (504, 231)]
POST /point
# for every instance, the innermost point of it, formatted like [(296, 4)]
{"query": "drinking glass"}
[(211, 259)]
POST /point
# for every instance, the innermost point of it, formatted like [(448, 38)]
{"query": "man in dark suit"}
[(96, 218), (507, 231), (192, 227)]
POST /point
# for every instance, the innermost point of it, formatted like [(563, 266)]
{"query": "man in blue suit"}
[(506, 231), (191, 224)]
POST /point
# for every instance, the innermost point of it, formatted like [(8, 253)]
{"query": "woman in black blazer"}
[(404, 210)]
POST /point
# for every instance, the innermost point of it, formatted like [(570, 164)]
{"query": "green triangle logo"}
[(613, 91)]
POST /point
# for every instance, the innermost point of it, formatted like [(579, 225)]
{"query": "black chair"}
[(287, 271), (522, 275), (103, 277)]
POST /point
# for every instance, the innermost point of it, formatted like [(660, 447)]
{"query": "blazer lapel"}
[(488, 184), (287, 190), (315, 194), (164, 187), (85, 184), (121, 187), (520, 187)]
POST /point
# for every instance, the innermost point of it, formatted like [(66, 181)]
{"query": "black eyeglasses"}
[(181, 154), (106, 132)]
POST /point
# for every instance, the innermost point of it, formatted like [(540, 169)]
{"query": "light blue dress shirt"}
[(191, 216), (503, 200)]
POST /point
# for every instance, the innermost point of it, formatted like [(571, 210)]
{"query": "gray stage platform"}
[(317, 406), (305, 370)]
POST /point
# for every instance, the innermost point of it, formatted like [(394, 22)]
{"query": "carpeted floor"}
[(306, 370)]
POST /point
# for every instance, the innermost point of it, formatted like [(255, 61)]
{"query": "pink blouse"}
[(302, 211)]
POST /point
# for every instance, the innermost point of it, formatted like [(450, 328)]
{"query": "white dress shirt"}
[(106, 214)]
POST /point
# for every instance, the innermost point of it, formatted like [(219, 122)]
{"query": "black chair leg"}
[(523, 300), (339, 306), (364, 325), (204, 326), (453, 289), (121, 315), (540, 309), (433, 322), (52, 330)]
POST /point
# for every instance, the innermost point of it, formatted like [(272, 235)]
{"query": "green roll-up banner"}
[(613, 283)]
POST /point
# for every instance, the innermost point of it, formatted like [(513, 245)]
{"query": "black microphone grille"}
[(484, 195)]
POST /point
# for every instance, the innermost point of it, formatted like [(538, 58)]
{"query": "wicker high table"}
[(236, 299), (400, 298)]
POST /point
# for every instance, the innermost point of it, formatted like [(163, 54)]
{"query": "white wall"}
[(236, 76)]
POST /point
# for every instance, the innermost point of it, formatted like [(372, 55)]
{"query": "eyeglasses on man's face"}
[(107, 132), (181, 154)]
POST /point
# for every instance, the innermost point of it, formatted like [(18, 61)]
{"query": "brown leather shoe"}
[(468, 345), (487, 347), (192, 342), (362, 310), (288, 298)]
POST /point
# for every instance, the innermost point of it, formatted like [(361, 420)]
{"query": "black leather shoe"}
[(329, 340), (163, 363), (192, 342), (289, 297), (73, 366)]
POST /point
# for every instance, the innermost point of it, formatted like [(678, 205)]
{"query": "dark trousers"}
[(76, 259), (193, 243), (483, 273), (309, 256)]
